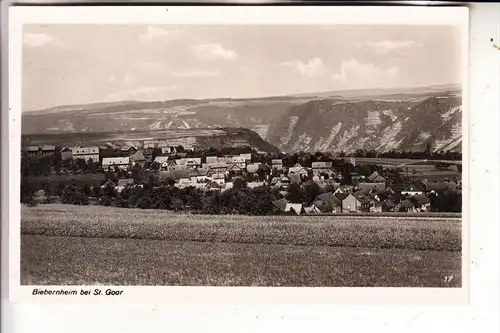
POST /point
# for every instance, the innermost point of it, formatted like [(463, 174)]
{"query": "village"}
[(336, 187)]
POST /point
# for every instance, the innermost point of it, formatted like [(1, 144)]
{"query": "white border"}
[(226, 15)]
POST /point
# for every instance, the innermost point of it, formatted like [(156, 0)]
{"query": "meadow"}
[(100, 245)]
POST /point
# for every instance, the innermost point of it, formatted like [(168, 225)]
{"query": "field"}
[(98, 245), (90, 179)]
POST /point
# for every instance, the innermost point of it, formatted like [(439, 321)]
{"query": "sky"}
[(79, 64)]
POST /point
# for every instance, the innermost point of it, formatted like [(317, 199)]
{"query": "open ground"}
[(73, 245)]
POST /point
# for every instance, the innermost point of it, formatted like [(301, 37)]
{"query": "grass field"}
[(98, 245)]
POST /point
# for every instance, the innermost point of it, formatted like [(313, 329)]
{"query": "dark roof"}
[(341, 196), (421, 199), (436, 186), (330, 198), (281, 203), (367, 187), (406, 203), (414, 188), (375, 176), (361, 197), (388, 203)]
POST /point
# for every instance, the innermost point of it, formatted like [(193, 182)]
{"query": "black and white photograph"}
[(287, 155)]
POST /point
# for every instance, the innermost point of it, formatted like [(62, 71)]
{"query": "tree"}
[(295, 194), (311, 191)]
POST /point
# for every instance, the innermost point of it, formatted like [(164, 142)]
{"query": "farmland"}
[(99, 245)]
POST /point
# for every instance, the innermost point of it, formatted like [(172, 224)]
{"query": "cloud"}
[(191, 73), (39, 39), (214, 51), (312, 68), (354, 74), (386, 47), (142, 94), (154, 33)]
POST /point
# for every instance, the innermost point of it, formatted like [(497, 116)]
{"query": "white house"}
[(120, 162)]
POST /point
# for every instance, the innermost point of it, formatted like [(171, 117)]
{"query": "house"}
[(119, 162), (321, 167), (48, 150), (375, 202), (167, 150), (280, 204), (33, 151), (356, 202), (294, 178), (388, 205), (405, 206), (212, 159), (66, 154), (298, 169), (413, 189), (189, 163), (138, 158), (198, 175), (219, 178), (163, 161), (328, 203), (85, 153), (235, 167), (366, 188), (247, 157), (149, 144), (123, 183), (239, 161), (212, 186), (421, 203), (293, 207), (283, 182), (255, 184), (175, 175), (277, 164), (128, 149), (253, 168), (218, 168), (343, 189), (436, 187), (375, 177)]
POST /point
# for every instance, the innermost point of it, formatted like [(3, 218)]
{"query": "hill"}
[(332, 125), (382, 119)]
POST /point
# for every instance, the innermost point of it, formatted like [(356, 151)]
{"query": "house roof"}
[(321, 165), (48, 147), (330, 198), (213, 185), (294, 178), (126, 148), (388, 203), (115, 160), (138, 156), (277, 161), (341, 196), (218, 166), (436, 186), (253, 168), (406, 203), (367, 187), (281, 204), (175, 174), (274, 180), (414, 188), (161, 159), (361, 197), (32, 148), (125, 182), (375, 176), (233, 166), (421, 199)]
